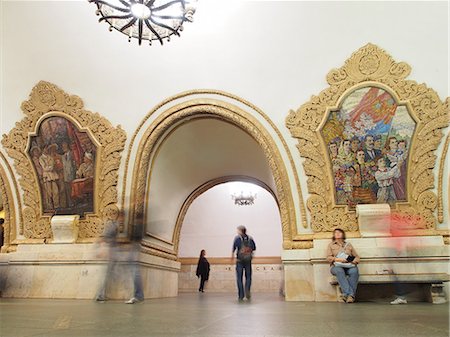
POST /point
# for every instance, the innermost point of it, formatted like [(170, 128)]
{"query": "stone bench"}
[(436, 280)]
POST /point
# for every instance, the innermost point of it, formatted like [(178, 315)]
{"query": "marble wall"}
[(266, 277), (308, 277), (75, 271)]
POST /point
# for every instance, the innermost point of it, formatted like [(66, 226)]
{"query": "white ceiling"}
[(273, 53)]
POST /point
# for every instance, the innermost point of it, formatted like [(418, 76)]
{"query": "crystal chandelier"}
[(151, 20), (244, 199)]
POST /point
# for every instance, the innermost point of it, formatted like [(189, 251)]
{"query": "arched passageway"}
[(190, 144), (210, 223)]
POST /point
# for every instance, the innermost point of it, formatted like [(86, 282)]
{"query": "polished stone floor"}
[(219, 315)]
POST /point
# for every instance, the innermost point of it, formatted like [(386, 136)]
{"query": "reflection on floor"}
[(219, 315)]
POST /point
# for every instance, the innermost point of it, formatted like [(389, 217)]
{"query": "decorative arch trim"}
[(223, 94), (225, 111), (9, 226)]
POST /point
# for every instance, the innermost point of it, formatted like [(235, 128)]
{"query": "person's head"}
[(368, 141), (392, 144), (402, 144), (355, 144), (381, 163), (360, 157), (377, 142), (241, 230), (346, 144), (52, 148), (65, 147), (333, 148), (35, 151), (202, 253), (338, 234)]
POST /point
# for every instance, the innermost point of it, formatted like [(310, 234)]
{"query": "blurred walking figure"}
[(400, 248), (108, 249), (133, 259), (203, 269), (244, 246)]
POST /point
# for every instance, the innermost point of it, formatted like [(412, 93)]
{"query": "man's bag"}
[(245, 253)]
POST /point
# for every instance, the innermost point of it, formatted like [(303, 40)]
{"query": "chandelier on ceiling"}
[(244, 199), (151, 20)]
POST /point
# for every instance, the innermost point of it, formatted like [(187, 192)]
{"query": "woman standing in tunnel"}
[(202, 270)]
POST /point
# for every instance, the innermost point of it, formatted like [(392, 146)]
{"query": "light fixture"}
[(242, 199), (152, 20)]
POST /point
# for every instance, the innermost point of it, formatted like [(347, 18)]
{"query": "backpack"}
[(245, 253)]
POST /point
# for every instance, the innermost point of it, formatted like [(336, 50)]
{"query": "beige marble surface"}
[(77, 271), (307, 272), (374, 220), (265, 278), (64, 228)]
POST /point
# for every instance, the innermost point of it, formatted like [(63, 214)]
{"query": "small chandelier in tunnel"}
[(243, 193), (151, 20), (244, 199)]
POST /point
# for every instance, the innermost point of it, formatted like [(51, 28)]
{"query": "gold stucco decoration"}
[(370, 66), (47, 100), (211, 108), (9, 226)]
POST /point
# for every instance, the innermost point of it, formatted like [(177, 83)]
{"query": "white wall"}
[(211, 222), (274, 54), (193, 154)]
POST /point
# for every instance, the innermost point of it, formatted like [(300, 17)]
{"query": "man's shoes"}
[(399, 300), (248, 295), (100, 299), (240, 300), (133, 300), (350, 299)]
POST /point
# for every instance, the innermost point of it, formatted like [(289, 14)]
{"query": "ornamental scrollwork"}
[(48, 101), (371, 71)]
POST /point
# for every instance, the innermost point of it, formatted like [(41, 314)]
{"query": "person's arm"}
[(253, 244), (355, 254), (330, 256), (197, 273), (235, 246)]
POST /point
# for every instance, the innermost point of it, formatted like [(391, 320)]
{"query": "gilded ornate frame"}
[(9, 226), (47, 100), (371, 66)]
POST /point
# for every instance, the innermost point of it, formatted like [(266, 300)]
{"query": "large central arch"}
[(156, 132)]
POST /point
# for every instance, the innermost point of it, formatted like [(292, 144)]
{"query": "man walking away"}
[(244, 246)]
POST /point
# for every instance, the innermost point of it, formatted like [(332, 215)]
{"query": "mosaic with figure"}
[(368, 141), (64, 160)]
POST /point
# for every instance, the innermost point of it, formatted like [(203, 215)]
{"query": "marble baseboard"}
[(75, 271), (265, 278)]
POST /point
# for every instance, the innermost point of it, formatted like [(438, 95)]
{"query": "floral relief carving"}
[(47, 100), (371, 66)]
